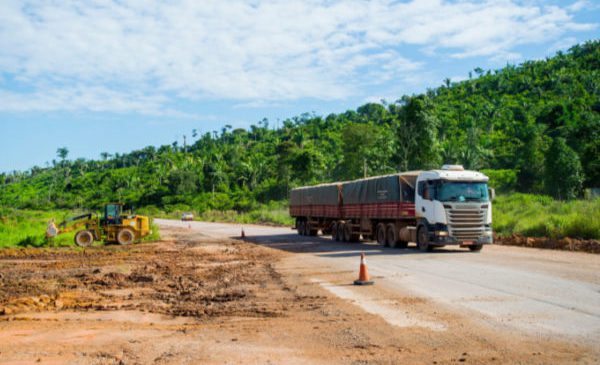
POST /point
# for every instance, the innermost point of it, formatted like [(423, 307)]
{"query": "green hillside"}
[(536, 125)]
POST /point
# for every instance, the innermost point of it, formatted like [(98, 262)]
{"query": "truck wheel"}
[(347, 232), (423, 240), (84, 238), (300, 226), (381, 234), (475, 248), (307, 229), (391, 235), (334, 231), (311, 230), (340, 232), (126, 236)]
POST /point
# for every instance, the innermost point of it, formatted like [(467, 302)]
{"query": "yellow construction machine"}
[(116, 225)]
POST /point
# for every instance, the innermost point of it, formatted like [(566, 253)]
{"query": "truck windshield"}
[(462, 191)]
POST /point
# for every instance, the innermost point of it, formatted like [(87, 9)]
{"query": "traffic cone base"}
[(363, 273)]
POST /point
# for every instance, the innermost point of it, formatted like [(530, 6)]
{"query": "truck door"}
[(424, 206)]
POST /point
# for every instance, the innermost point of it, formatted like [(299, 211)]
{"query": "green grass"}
[(541, 216), (27, 228)]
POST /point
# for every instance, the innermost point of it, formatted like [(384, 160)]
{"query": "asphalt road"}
[(544, 293)]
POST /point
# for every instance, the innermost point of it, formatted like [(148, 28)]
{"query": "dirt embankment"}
[(567, 244), (183, 279)]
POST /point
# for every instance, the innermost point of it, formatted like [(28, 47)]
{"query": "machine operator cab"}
[(115, 212)]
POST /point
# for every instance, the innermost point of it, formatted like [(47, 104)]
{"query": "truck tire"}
[(307, 229), (311, 230), (347, 232), (340, 232), (423, 240), (334, 231), (391, 236), (300, 226), (84, 238), (475, 248), (381, 235), (126, 236)]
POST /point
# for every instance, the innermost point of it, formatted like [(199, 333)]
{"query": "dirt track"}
[(193, 299)]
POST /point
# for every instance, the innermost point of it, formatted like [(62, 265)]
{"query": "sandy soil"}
[(197, 299)]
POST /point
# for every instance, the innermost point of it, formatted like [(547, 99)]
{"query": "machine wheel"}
[(381, 234), (391, 238), (423, 240), (84, 238), (475, 248), (347, 232), (334, 231), (125, 236)]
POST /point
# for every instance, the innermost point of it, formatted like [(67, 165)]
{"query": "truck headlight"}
[(441, 233), (487, 233)]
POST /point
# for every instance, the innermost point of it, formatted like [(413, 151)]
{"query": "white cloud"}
[(132, 55)]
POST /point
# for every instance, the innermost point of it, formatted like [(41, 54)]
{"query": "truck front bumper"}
[(450, 240)]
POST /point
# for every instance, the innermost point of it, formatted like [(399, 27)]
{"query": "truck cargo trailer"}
[(451, 206)]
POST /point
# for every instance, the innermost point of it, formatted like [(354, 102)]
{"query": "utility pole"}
[(365, 166), (184, 144)]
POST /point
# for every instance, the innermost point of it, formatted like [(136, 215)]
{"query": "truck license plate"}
[(466, 243)]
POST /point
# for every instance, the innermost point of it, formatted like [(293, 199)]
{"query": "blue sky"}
[(120, 75)]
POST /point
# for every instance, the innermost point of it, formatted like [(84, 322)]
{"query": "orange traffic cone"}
[(243, 233), (363, 273)]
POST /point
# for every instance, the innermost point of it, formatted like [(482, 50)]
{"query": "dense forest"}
[(533, 128)]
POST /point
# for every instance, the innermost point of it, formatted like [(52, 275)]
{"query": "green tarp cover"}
[(325, 194), (381, 189)]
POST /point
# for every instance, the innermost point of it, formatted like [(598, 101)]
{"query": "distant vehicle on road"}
[(450, 206), (187, 216)]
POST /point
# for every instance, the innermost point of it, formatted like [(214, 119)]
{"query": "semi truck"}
[(433, 208)]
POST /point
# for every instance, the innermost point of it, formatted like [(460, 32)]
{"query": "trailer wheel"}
[(125, 236), (423, 240), (334, 231), (306, 229), (84, 238), (391, 238), (300, 226), (340, 232), (310, 230), (347, 232), (381, 234)]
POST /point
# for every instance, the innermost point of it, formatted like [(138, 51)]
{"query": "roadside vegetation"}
[(541, 216)]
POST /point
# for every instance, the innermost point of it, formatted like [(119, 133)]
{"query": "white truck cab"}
[(453, 206)]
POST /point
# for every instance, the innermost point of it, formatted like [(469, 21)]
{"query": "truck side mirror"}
[(492, 193)]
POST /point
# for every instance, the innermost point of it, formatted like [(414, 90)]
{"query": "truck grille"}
[(466, 223)]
